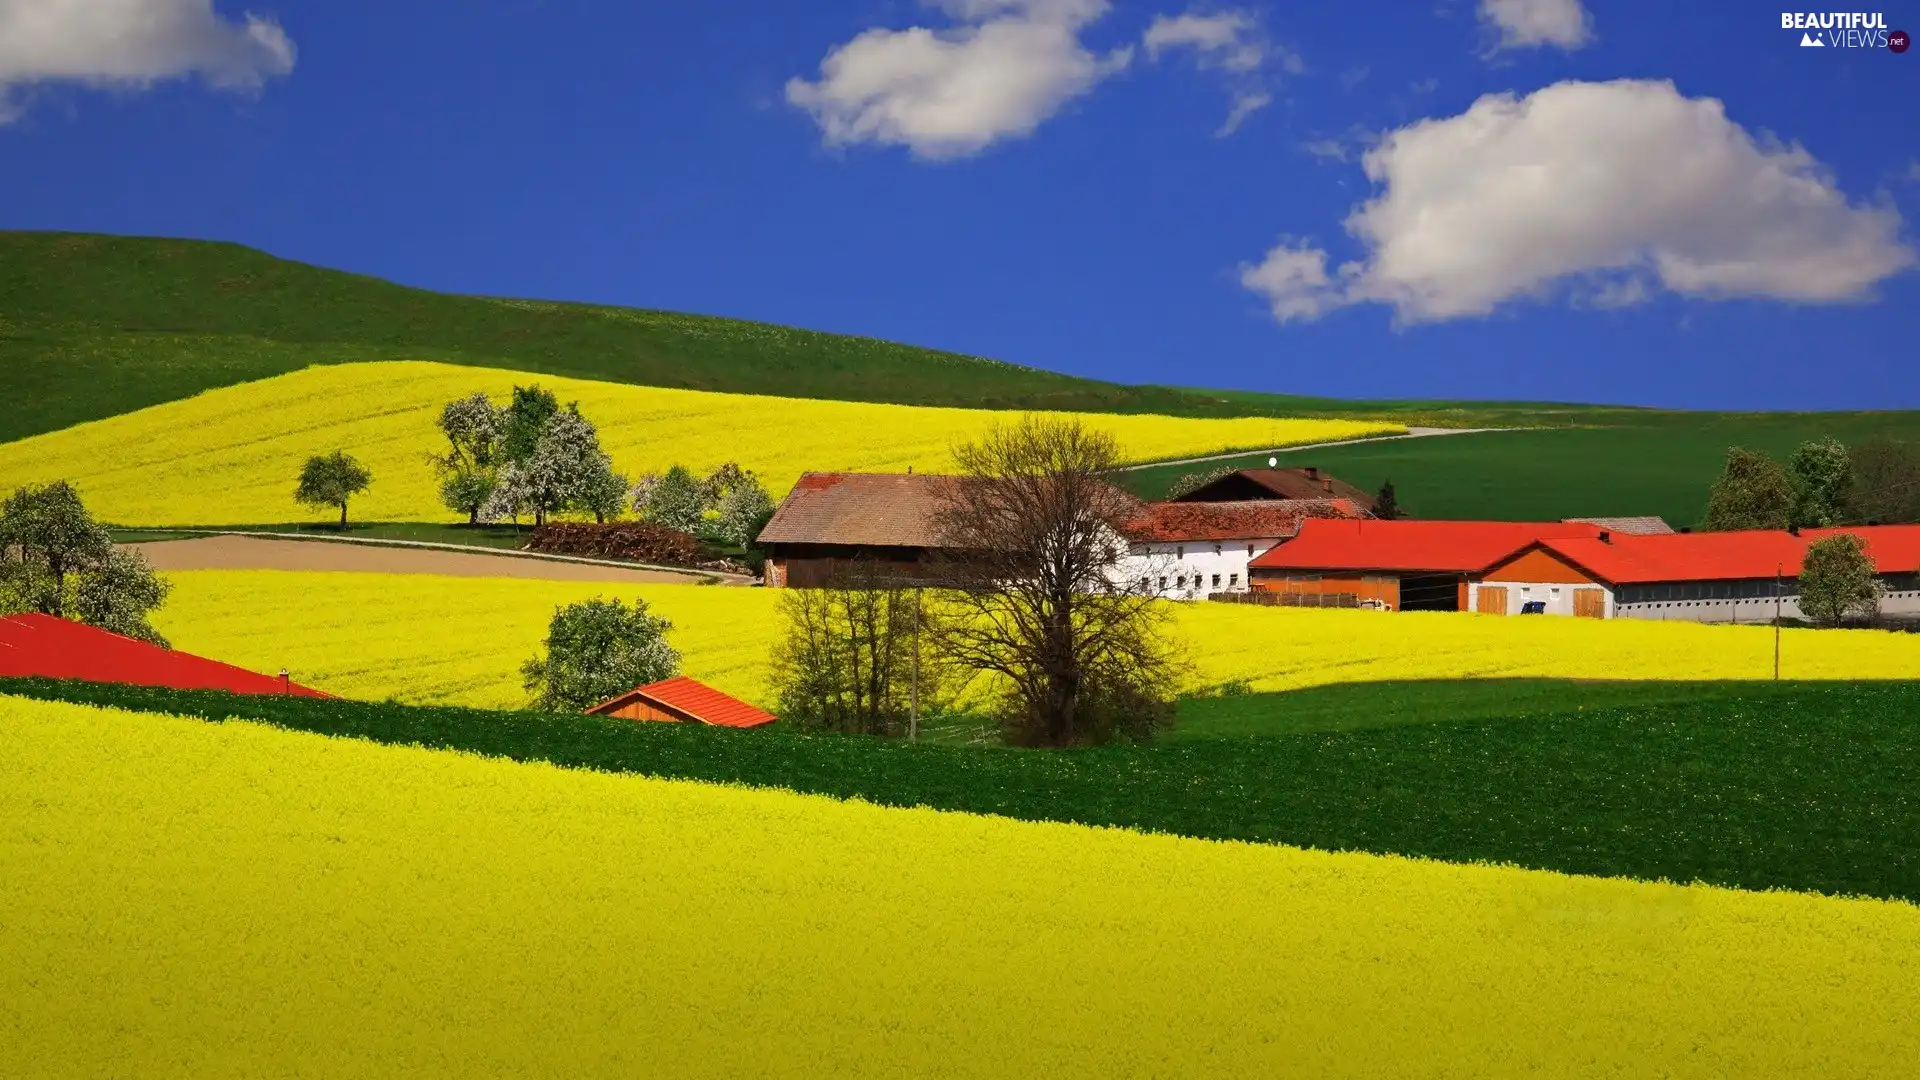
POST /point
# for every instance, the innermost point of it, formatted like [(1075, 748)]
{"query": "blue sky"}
[(1050, 182)]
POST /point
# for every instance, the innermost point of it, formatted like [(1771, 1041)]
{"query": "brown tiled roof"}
[(867, 509), (1633, 526), (1304, 483), (1169, 522)]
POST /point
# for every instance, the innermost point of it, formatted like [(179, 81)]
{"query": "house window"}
[(1180, 582), (1233, 579), (1249, 551), (1180, 553), (1216, 549), (1216, 581), (1163, 584)]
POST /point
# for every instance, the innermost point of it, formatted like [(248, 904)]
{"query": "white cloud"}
[(1528, 23), (1227, 40), (1593, 186), (132, 44), (1230, 42), (999, 72)]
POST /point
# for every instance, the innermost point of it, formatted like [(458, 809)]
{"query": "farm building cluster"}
[(1299, 537)]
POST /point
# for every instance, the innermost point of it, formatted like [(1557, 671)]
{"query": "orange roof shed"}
[(685, 701)]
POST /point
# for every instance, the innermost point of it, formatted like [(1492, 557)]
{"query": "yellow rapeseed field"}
[(233, 455), (194, 900), (427, 639)]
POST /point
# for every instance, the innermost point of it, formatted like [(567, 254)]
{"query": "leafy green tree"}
[(677, 500), (1838, 579), (55, 559), (329, 480), (526, 417), (744, 511), (1822, 476), (597, 649), (567, 468), (1386, 506), (1753, 492), (1886, 481), (603, 492), (474, 428)]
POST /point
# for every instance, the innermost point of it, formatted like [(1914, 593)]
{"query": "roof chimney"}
[(1686, 528), (1327, 485), (286, 681), (1793, 529), (1313, 472), (1606, 537)]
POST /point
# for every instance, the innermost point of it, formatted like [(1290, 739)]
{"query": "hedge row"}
[(1816, 788), (635, 541)]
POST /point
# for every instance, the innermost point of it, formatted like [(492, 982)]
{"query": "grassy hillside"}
[(1659, 463), (93, 326)]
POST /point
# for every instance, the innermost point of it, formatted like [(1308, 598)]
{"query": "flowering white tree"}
[(566, 468)]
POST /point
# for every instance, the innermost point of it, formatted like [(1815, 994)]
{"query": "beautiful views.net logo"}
[(1844, 30)]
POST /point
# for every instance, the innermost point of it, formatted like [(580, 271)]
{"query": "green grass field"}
[(95, 326), (1663, 464), (1813, 787), (1359, 706)]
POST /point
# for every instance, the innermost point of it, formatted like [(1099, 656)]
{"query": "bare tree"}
[(849, 660), (1034, 589)]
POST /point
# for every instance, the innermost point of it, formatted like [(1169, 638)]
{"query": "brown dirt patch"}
[(255, 553)]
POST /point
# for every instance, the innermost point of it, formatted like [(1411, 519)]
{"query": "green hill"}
[(93, 326)]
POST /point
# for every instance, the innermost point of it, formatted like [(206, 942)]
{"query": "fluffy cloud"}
[(1230, 42), (1615, 189), (133, 43), (1528, 23), (999, 72)]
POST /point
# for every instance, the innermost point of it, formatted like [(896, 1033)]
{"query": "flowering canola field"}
[(436, 640), (202, 900), (232, 455)]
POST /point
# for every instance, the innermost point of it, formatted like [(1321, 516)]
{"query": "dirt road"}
[(254, 553)]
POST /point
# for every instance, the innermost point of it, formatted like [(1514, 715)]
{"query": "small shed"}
[(681, 700)]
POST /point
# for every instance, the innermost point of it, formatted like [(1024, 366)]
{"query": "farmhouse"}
[(1699, 577), (1393, 565), (831, 519), (681, 700), (53, 648), (1185, 550), (1263, 484)]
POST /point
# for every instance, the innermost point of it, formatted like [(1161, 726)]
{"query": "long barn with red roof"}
[(1570, 568), (53, 648)]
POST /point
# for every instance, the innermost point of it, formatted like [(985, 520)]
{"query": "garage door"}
[(1590, 603), (1492, 601)]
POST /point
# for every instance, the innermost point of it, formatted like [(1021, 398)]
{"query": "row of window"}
[(1181, 552), (1762, 589), (1180, 582)]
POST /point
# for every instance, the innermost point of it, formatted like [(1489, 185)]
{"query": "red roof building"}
[(1189, 550), (1394, 565), (1567, 569), (682, 700), (1244, 485), (52, 648)]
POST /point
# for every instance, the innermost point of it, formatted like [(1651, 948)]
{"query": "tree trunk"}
[(343, 515), (473, 516)]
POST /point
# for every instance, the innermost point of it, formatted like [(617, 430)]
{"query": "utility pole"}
[(1778, 570), (913, 685)]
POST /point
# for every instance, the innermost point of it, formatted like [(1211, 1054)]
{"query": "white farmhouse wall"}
[(1193, 569), (1558, 595)]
